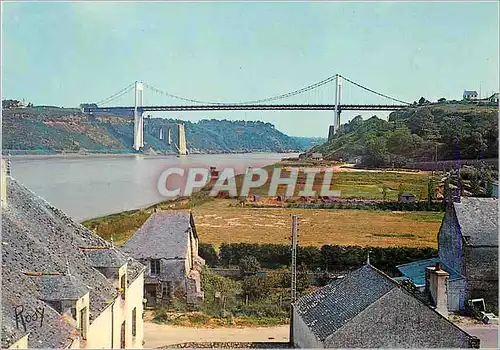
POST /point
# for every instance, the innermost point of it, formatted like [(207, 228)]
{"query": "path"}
[(157, 335)]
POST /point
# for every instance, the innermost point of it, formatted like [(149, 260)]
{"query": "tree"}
[(422, 101), (442, 99), (376, 151), (249, 265), (207, 252), (256, 287)]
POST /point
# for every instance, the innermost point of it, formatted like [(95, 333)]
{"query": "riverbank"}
[(119, 155)]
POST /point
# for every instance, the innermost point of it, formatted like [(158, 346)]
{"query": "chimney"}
[(436, 284), (4, 184)]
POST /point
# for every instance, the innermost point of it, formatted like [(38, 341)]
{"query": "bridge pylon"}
[(138, 118), (336, 118)]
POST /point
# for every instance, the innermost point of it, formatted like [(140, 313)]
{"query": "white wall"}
[(100, 331)]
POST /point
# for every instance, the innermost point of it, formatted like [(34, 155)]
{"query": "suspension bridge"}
[(270, 103)]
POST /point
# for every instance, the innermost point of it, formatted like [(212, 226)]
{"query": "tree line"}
[(326, 258)]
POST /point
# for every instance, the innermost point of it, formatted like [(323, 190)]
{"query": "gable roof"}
[(38, 238), (330, 307), (470, 92), (165, 235), (478, 220)]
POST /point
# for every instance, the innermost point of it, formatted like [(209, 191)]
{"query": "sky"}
[(69, 53)]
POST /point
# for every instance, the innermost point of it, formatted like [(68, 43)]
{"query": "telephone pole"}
[(295, 229)]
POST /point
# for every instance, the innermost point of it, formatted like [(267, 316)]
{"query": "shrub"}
[(207, 252), (256, 287), (249, 265)]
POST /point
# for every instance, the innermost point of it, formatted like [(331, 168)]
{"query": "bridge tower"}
[(182, 140), (138, 118), (336, 119)]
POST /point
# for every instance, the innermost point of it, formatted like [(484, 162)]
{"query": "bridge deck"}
[(314, 107)]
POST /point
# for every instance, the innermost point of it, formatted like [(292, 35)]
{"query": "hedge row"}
[(368, 205), (328, 257)]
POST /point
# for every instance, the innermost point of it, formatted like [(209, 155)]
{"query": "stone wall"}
[(450, 242), (481, 271)]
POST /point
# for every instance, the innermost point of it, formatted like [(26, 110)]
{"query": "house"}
[(167, 244), (62, 285), (368, 309), (493, 98), (317, 156), (406, 197), (468, 251), (470, 95)]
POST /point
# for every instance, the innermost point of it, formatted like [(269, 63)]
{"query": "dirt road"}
[(156, 335)]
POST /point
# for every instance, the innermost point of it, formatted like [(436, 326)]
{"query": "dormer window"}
[(155, 267)]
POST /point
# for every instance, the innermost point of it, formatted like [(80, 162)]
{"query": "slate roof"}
[(478, 220), (37, 237), (105, 257), (415, 271), (165, 235), (62, 287), (469, 92), (330, 307)]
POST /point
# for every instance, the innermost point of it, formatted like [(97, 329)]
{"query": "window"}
[(122, 286), (83, 322), (122, 336), (155, 267), (134, 322)]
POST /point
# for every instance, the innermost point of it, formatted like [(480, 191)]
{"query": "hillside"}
[(52, 129), (417, 134)]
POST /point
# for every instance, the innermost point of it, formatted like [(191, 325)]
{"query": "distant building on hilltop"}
[(62, 285), (470, 95), (493, 98), (368, 309), (167, 244)]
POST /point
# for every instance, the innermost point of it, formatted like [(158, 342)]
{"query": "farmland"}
[(223, 220)]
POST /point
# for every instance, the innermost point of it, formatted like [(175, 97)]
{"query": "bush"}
[(256, 287), (249, 266), (207, 252)]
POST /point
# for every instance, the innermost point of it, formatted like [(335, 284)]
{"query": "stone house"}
[(368, 309), (167, 243), (468, 252), (62, 285)]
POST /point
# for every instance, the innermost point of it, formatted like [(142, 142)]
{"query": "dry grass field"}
[(223, 221)]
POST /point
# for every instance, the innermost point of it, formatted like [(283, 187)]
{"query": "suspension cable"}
[(115, 95), (273, 98), (375, 92)]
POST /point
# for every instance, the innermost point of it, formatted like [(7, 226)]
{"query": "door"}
[(150, 293)]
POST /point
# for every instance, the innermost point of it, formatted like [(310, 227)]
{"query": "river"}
[(86, 187)]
